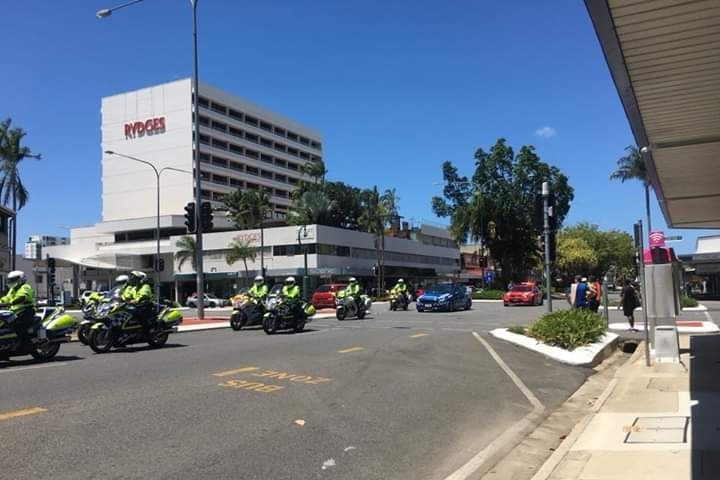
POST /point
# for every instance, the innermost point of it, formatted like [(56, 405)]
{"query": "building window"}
[(252, 154), (304, 155), (252, 186), (235, 115), (279, 131), (204, 121), (265, 142), (203, 102), (204, 157), (280, 163), (236, 132), (281, 193), (205, 194), (252, 170), (204, 175), (234, 182), (237, 166), (251, 137), (266, 174), (292, 180), (279, 147), (266, 158), (292, 166), (280, 178), (220, 127), (292, 151), (315, 145), (219, 144), (304, 141), (219, 161), (216, 107), (204, 139), (220, 179), (237, 149), (266, 126), (292, 136), (251, 120)]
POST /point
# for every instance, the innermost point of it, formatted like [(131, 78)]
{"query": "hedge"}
[(488, 295), (568, 329), (688, 301)]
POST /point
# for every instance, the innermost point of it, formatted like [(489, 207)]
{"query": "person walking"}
[(581, 293), (573, 291), (629, 302), (594, 292)]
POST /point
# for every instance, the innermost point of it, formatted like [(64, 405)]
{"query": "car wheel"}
[(190, 305), (505, 305), (542, 299)]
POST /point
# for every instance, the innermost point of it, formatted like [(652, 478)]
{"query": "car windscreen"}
[(323, 288), (438, 289), (521, 288)]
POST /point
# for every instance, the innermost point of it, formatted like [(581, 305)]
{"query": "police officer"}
[(353, 291), (122, 289), (142, 297), (20, 298), (291, 293), (400, 288), (259, 290)]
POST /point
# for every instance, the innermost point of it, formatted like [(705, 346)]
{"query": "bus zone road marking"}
[(257, 386), (21, 413), (350, 350)]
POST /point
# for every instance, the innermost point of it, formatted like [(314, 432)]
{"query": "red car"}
[(523, 294), (323, 297)]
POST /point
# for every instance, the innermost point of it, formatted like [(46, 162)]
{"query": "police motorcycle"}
[(51, 328), (346, 306), (116, 326), (90, 308), (281, 315), (398, 301), (247, 311)]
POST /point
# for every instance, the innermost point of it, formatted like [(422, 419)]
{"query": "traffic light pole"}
[(546, 236), (200, 286)]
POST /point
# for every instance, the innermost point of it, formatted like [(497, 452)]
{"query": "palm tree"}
[(248, 208), (187, 250), (315, 169), (632, 167), (310, 208), (241, 250), (12, 189)]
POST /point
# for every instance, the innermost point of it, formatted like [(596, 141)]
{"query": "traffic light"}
[(51, 270), (190, 217), (161, 265), (375, 270), (206, 216), (553, 250)]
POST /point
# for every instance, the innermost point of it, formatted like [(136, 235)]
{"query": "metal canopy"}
[(664, 57)]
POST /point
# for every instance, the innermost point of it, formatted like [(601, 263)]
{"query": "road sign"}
[(674, 238), (489, 276)]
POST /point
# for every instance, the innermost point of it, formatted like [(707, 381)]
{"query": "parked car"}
[(444, 296), (210, 301), (323, 296), (526, 293)]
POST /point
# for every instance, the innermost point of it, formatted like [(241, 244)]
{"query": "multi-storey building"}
[(35, 244)]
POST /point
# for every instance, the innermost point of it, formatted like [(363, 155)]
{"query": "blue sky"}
[(395, 87)]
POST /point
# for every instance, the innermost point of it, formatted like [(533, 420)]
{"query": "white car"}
[(210, 301)]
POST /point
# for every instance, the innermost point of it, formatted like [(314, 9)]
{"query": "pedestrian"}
[(573, 291), (629, 302), (594, 292), (581, 293)]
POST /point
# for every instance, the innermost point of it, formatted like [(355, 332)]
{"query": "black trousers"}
[(23, 321)]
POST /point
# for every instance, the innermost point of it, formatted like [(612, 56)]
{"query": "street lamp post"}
[(306, 282), (157, 222), (106, 12)]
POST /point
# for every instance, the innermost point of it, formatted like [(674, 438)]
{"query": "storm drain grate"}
[(658, 430)]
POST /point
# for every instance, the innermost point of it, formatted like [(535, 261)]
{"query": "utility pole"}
[(640, 261), (546, 236)]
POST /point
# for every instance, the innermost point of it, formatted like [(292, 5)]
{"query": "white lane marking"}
[(516, 380), (32, 367)]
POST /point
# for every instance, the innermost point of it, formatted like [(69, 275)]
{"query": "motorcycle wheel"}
[(340, 314), (392, 306), (238, 320), (101, 340), (361, 314), (299, 326), (270, 324), (405, 307), (45, 351), (83, 334), (158, 339)]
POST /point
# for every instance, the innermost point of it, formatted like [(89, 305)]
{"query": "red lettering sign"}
[(151, 126)]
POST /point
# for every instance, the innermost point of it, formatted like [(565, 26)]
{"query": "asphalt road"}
[(399, 395)]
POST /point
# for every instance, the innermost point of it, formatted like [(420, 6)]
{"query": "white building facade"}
[(35, 243), (241, 147)]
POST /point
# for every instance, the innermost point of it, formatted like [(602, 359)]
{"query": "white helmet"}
[(121, 279), (400, 280), (353, 279), (16, 276), (139, 276), (290, 281), (259, 279)]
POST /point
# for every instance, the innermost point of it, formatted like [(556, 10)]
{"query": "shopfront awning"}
[(101, 263), (664, 57)]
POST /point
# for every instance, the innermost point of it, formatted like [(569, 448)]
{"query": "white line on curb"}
[(524, 426), (516, 380)]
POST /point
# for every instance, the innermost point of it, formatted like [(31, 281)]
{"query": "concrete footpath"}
[(652, 423)]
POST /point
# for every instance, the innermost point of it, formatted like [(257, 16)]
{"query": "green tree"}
[(247, 208), (632, 167), (497, 204), (187, 250), (315, 169), (13, 192), (347, 205), (241, 250), (574, 256), (390, 205), (311, 207), (613, 248)]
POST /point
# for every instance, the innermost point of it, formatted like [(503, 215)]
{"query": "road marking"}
[(32, 367), (516, 380), (21, 413), (418, 335), (227, 373), (252, 386), (351, 349)]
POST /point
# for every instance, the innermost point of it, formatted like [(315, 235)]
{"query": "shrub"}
[(688, 301), (568, 329), (488, 295), (518, 329)]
